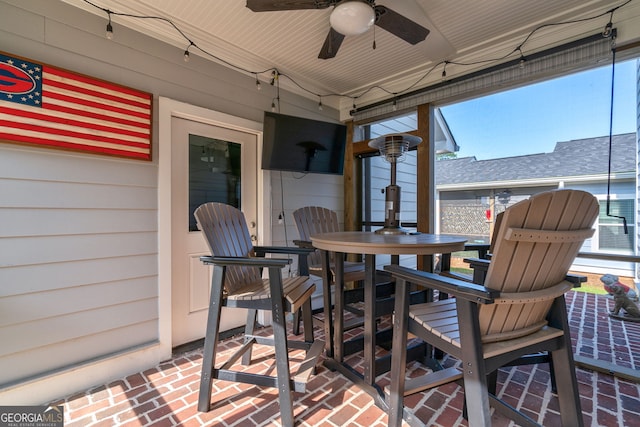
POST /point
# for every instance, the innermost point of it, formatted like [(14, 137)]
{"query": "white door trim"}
[(168, 108)]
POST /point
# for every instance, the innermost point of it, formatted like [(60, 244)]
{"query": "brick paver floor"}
[(167, 394)]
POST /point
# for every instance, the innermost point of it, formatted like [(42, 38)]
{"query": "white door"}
[(208, 163)]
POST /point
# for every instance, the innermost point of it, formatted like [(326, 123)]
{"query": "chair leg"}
[(552, 374), (564, 369), (492, 387), (307, 318), (249, 329), (281, 348), (567, 384), (476, 393), (327, 280), (398, 356), (297, 318), (211, 339)]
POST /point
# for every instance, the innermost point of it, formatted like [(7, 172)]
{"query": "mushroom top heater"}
[(393, 148)]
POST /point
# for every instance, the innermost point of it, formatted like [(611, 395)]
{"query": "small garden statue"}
[(624, 303), (610, 280)]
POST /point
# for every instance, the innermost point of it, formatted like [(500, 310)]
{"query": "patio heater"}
[(392, 148)]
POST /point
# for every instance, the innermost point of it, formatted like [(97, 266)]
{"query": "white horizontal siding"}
[(20, 280), (296, 190), (57, 356), (17, 193), (73, 299), (78, 271), (52, 221), (74, 325)]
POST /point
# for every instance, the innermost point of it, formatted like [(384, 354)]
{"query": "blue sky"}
[(533, 118)]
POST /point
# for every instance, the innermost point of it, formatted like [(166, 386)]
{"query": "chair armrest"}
[(262, 250), (259, 262), (303, 244), (481, 248), (575, 279), (480, 267), (480, 262), (448, 285), (302, 253)]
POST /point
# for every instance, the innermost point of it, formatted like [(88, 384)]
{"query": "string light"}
[(523, 60), (186, 52), (608, 29), (320, 104), (608, 32), (109, 26), (395, 104)]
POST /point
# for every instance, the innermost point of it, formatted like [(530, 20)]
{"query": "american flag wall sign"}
[(52, 107)]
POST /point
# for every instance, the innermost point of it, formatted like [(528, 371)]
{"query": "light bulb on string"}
[(395, 104), (320, 104), (186, 52), (109, 27), (258, 85), (523, 60), (608, 29), (444, 71)]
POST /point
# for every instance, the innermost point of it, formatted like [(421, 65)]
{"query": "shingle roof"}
[(569, 158)]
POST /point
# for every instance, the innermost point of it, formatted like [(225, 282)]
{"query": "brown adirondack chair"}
[(237, 283), (312, 220), (520, 309)]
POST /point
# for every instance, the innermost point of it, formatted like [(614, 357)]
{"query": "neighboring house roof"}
[(577, 157), (444, 140)]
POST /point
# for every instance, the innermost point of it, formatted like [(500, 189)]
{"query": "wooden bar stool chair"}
[(237, 283)]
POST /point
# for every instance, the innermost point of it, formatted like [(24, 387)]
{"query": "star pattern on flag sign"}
[(20, 81)]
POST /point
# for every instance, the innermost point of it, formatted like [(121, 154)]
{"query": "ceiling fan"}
[(349, 17)]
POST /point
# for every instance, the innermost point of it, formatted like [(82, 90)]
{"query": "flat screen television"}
[(302, 145)]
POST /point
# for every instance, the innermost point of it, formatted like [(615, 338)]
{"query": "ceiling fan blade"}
[(400, 26), (275, 5), (331, 44)]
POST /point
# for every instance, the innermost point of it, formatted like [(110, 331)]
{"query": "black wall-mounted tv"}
[(302, 145)]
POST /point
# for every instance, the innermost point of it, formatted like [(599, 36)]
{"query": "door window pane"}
[(214, 173)]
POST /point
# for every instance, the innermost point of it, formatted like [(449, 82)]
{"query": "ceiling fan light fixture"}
[(351, 18)]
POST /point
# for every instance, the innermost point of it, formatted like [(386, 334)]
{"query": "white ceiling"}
[(461, 31)]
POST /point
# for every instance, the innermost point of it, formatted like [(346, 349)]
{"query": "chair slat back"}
[(536, 244), (312, 220), (226, 232)]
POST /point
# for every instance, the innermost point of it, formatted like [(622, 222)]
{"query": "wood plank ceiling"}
[(461, 31)]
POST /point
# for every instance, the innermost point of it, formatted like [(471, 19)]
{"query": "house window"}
[(611, 235)]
